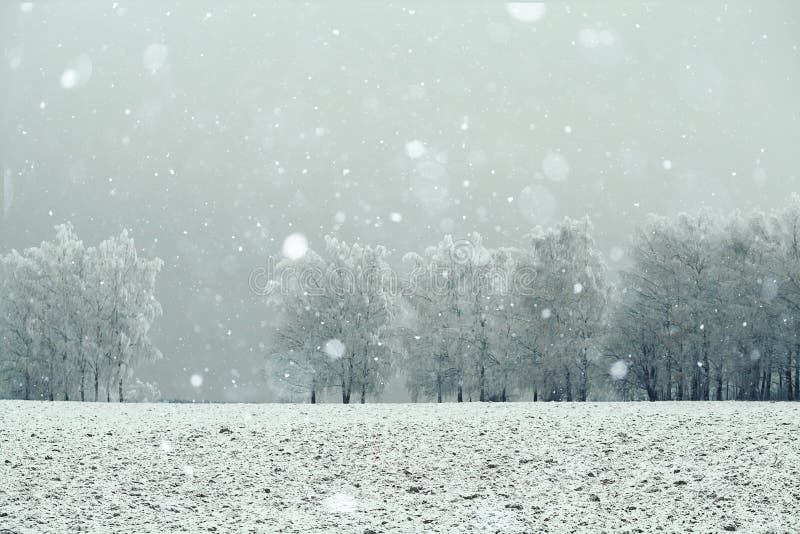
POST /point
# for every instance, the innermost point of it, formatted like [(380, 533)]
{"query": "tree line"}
[(74, 320), (709, 309), (706, 308)]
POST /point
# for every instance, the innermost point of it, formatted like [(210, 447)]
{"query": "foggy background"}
[(213, 131)]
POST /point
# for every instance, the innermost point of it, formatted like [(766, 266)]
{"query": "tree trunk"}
[(780, 382), (66, 370), (119, 368), (567, 386), (348, 381), (66, 381), (718, 395), (535, 395), (668, 392), (96, 383), (364, 377), (439, 388), (797, 374), (652, 384), (695, 384), (706, 368), (50, 383), (482, 393), (768, 382), (27, 384), (109, 381), (313, 395), (83, 382), (583, 384), (460, 393), (82, 366), (753, 382), (345, 392), (766, 378)]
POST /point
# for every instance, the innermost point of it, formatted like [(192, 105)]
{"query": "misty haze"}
[(502, 228)]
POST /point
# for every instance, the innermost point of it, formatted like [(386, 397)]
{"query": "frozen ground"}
[(680, 467)]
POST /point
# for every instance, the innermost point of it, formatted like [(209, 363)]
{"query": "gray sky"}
[(212, 131)]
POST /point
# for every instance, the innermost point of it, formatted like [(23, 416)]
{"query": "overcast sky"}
[(213, 132)]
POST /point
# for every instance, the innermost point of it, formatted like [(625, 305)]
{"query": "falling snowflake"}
[(618, 370), (415, 149), (334, 348), (526, 11), (295, 246), (154, 57)]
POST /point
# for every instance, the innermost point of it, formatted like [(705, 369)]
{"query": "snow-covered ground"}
[(442, 468)]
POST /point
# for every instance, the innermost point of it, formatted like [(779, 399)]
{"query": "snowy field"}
[(683, 467)]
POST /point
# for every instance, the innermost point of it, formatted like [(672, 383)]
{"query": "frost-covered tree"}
[(708, 308), (427, 331), (298, 362), (336, 313), (125, 284), (59, 265), (706, 311), (21, 361), (449, 289), (474, 279), (490, 322), (668, 310), (506, 285), (783, 288), (568, 306), (69, 310)]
